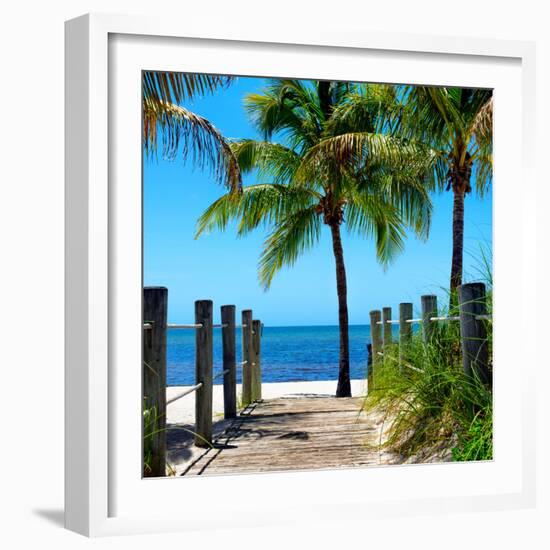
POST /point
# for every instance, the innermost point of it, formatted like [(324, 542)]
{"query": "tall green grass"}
[(432, 407)]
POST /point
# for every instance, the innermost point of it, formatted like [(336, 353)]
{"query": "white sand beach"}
[(182, 411)]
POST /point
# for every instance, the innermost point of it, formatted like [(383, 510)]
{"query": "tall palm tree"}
[(335, 165), (163, 114), (457, 123)]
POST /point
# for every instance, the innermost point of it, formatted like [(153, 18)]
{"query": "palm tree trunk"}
[(458, 242), (344, 388)]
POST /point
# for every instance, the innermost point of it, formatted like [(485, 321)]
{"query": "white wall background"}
[(31, 269)]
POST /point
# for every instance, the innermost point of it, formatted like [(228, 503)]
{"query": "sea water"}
[(287, 354)]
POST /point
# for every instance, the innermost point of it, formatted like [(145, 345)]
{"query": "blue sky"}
[(223, 268)]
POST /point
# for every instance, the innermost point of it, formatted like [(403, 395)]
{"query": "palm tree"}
[(457, 123), (163, 93), (335, 166)]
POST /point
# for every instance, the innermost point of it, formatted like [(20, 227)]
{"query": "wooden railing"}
[(155, 326), (472, 317)]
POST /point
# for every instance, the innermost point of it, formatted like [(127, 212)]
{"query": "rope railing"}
[(155, 328), (149, 326), (194, 388), (184, 393), (222, 373), (474, 317), (487, 317)]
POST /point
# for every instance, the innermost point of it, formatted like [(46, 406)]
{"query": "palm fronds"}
[(170, 87), (258, 205), (482, 126), (179, 127), (299, 232)]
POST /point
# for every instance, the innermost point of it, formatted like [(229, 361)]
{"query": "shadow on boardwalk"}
[(303, 432)]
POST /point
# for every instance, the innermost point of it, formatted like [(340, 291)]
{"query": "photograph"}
[(275, 251), (317, 274)]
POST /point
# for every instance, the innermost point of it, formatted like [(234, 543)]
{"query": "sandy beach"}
[(182, 411)]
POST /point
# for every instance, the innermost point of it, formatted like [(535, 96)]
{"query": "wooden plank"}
[(293, 433), (155, 311)]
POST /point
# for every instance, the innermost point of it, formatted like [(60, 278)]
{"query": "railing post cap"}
[(471, 286), (155, 288)]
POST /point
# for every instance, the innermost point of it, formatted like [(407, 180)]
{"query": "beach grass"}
[(432, 408)]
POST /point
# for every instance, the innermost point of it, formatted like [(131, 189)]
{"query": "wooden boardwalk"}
[(293, 433)]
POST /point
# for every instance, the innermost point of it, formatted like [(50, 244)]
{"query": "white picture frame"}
[(103, 54)]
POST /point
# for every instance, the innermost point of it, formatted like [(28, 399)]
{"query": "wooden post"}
[(475, 352), (230, 378), (429, 309), (257, 371), (247, 357), (386, 327), (376, 340), (203, 373), (155, 309), (376, 335), (405, 329), (369, 366)]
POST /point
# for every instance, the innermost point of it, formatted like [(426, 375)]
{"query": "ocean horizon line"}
[(335, 325)]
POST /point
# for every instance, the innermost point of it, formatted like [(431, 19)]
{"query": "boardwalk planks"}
[(293, 433)]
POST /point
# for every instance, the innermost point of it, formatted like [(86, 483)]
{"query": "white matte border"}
[(314, 495)]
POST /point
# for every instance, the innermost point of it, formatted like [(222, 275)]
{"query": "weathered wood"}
[(376, 342), (376, 335), (203, 373), (475, 351), (252, 366), (248, 351), (257, 370), (369, 355), (295, 433), (229, 362), (405, 329), (386, 327), (429, 309), (155, 310)]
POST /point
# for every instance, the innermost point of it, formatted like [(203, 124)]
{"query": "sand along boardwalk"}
[(298, 426)]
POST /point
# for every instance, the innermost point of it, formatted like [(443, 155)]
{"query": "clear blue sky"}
[(223, 268)]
